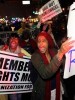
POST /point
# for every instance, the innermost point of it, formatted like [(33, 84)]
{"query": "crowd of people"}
[(47, 58)]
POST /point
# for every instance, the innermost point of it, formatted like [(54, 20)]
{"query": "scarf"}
[(48, 82), (57, 77)]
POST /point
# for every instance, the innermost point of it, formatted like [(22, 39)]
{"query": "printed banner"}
[(14, 74), (49, 10)]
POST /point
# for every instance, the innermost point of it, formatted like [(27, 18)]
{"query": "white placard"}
[(70, 56), (71, 22), (14, 74), (70, 63), (49, 10)]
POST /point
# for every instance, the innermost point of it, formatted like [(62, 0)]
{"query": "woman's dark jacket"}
[(44, 72)]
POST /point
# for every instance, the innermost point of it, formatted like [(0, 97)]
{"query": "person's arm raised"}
[(65, 47)]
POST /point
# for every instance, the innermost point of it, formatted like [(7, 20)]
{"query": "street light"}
[(24, 2)]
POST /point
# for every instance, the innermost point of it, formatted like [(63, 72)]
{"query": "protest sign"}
[(49, 10), (71, 22), (14, 74), (70, 63), (70, 56)]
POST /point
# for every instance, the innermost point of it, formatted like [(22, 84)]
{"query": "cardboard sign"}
[(49, 10), (14, 74)]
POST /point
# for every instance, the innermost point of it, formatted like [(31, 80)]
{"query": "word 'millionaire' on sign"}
[(49, 10), (14, 73)]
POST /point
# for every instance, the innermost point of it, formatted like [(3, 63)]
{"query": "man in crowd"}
[(13, 47)]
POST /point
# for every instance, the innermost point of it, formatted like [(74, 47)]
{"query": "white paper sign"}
[(70, 56), (71, 22), (70, 63), (14, 74), (49, 10)]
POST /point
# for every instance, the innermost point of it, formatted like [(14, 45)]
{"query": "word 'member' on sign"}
[(14, 74), (49, 10)]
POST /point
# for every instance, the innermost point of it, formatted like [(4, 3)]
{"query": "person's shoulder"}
[(25, 52), (35, 56), (20, 30)]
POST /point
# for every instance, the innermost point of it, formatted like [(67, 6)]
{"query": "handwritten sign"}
[(71, 22), (70, 56), (14, 74), (70, 63), (49, 10)]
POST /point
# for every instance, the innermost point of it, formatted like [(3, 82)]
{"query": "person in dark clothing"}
[(27, 43)]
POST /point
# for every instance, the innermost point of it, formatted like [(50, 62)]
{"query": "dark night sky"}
[(15, 8)]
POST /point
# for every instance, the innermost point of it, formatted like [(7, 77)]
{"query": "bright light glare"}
[(25, 2)]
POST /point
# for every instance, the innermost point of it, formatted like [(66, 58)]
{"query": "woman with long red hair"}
[(46, 60)]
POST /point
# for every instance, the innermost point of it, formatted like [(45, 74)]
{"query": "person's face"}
[(42, 44), (14, 42)]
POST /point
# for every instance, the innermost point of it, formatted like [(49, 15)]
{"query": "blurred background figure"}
[(28, 43), (47, 27), (22, 28)]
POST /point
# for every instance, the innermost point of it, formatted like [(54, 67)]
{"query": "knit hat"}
[(48, 37)]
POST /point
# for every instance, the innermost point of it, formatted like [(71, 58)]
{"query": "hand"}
[(65, 47), (4, 47), (21, 55)]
